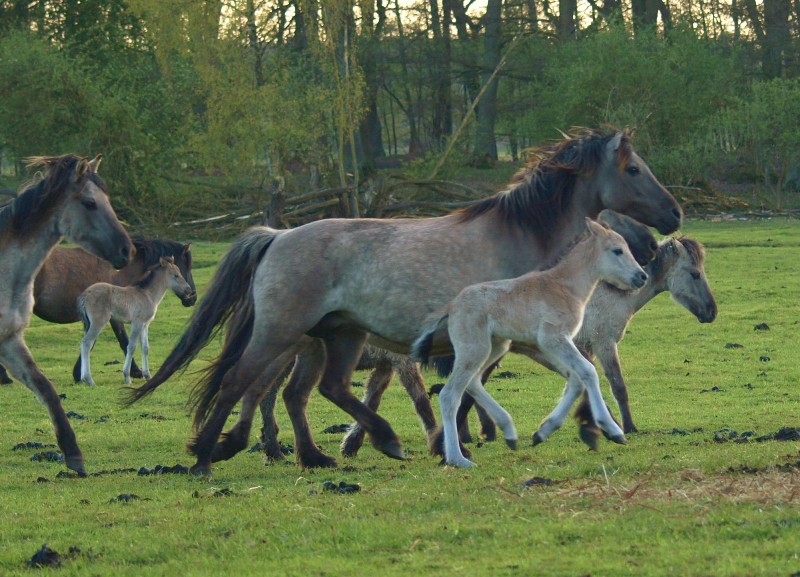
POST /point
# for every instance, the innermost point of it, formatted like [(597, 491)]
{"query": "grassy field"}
[(672, 502)]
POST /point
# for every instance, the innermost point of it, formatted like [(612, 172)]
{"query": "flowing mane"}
[(152, 249), (39, 199), (541, 192)]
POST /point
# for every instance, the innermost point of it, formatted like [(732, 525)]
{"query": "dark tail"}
[(228, 295), (443, 365), (421, 349)]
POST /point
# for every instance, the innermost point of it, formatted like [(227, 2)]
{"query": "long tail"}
[(228, 295)]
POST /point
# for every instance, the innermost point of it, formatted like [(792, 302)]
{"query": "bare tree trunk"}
[(567, 26), (485, 151), (777, 42)]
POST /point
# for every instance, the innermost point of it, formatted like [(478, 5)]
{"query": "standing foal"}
[(136, 304), (542, 308)]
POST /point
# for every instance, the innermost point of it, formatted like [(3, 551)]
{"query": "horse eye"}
[(89, 203), (696, 275), (618, 251), (633, 170)]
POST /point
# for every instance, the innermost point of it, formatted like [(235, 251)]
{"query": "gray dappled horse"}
[(318, 290), (70, 201)]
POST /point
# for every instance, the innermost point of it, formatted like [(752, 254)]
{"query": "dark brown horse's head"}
[(150, 250), (640, 240)]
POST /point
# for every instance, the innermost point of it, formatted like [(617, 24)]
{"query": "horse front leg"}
[(122, 338), (411, 379), (609, 360), (136, 331), (14, 354), (145, 340), (344, 349), (378, 383), (581, 374)]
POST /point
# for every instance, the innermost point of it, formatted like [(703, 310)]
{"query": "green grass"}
[(665, 504)]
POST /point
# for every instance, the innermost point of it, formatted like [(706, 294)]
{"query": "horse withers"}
[(317, 291), (541, 308), (136, 304), (68, 272), (69, 201)]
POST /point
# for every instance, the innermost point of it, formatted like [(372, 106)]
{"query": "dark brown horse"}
[(68, 272), (70, 201), (320, 289)]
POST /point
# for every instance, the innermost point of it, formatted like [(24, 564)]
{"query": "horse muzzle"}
[(189, 300)]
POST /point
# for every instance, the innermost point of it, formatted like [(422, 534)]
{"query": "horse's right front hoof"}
[(317, 462), (76, 464), (460, 462), (538, 439)]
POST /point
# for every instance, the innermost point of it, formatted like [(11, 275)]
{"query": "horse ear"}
[(94, 164), (187, 247), (81, 168), (613, 145)]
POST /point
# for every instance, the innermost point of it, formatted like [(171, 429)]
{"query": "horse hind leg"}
[(93, 330), (307, 374), (344, 348), (378, 382), (269, 427), (136, 332), (16, 356)]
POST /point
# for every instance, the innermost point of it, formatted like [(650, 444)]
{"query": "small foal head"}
[(614, 261)]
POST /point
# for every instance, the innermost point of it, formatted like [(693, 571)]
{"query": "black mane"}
[(540, 194)]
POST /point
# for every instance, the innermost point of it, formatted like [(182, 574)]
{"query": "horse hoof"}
[(76, 464), (394, 450), (590, 436), (512, 444), (630, 429), (201, 470), (619, 439), (461, 463), (537, 439), (319, 462)]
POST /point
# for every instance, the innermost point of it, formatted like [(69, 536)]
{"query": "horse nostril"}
[(654, 246), (676, 212)]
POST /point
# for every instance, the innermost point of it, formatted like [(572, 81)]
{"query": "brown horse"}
[(68, 272), (320, 289), (70, 201)]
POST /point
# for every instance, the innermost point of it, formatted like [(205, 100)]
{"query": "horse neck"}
[(575, 270), (32, 251), (157, 287), (585, 204)]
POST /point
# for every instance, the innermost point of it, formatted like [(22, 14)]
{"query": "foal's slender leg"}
[(344, 349), (122, 338), (145, 339), (378, 383), (87, 344), (580, 374), (136, 331), (16, 356)]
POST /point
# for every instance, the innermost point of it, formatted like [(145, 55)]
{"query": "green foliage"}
[(759, 133), (671, 502), (660, 88)]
